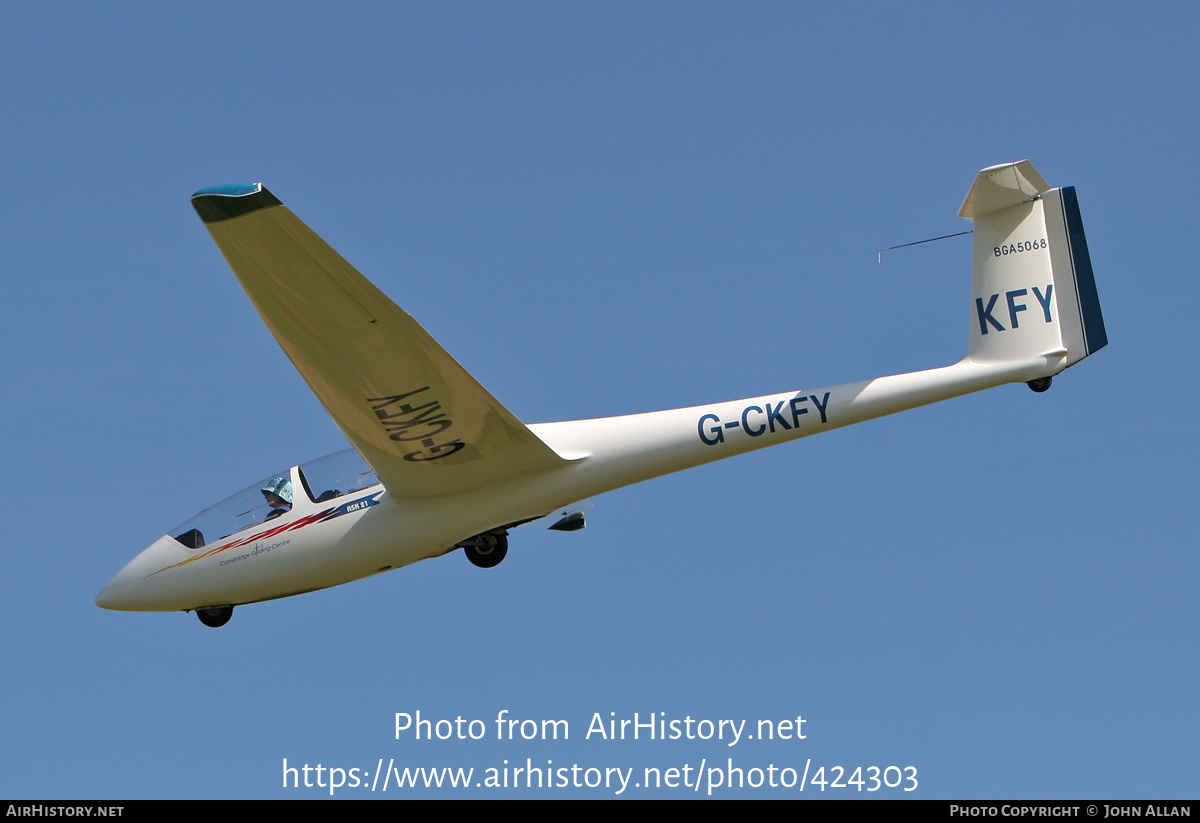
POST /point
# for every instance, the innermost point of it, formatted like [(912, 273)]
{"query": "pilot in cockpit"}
[(278, 493)]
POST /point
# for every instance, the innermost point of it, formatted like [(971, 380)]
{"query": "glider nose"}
[(121, 593), (131, 588)]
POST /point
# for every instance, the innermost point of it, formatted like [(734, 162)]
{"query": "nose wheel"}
[(215, 618)]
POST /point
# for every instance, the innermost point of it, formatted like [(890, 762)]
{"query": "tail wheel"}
[(488, 551), (215, 618)]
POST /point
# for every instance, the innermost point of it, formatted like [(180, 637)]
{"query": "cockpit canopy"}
[(317, 481)]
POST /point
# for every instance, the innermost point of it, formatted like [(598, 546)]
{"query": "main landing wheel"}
[(1040, 384), (215, 618), (489, 552)]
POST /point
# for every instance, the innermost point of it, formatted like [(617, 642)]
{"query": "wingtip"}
[(218, 203)]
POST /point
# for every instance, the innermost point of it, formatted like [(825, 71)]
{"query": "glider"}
[(439, 464)]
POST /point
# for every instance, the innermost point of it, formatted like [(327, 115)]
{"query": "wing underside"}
[(422, 422)]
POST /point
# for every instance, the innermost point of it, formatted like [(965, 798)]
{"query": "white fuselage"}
[(317, 545)]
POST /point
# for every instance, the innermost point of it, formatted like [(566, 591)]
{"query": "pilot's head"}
[(278, 493)]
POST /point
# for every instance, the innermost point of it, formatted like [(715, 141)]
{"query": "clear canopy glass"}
[(335, 475), (321, 480)]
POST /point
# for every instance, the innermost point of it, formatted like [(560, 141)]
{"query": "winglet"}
[(218, 203)]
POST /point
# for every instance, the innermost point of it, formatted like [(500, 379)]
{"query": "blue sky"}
[(603, 209)]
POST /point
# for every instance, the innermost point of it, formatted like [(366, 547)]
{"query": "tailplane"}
[(1032, 289)]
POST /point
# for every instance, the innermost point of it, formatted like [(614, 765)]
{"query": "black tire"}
[(215, 618), (489, 557), (1040, 384)]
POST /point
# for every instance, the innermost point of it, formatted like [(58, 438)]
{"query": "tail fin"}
[(1032, 289)]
